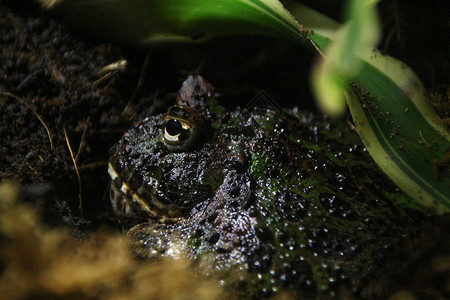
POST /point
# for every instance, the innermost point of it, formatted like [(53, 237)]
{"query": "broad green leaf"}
[(144, 23), (401, 131)]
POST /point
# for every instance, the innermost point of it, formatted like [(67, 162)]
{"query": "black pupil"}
[(173, 127)]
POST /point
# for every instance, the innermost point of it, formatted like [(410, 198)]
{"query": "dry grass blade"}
[(74, 160), (34, 112)]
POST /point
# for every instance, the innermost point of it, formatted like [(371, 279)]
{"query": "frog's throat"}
[(128, 204)]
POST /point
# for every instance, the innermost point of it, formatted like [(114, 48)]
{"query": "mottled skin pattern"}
[(268, 200)]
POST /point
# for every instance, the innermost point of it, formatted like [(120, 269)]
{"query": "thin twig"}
[(77, 172), (34, 112), (82, 142)]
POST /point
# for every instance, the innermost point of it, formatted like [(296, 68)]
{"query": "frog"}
[(267, 200)]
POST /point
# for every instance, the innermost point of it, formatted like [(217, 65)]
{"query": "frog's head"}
[(168, 164)]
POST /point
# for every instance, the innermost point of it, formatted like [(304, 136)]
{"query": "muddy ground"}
[(60, 111)]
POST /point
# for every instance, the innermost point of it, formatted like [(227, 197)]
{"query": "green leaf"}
[(402, 132), (330, 76), (144, 23)]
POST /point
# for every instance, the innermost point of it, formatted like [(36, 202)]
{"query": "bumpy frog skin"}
[(270, 201)]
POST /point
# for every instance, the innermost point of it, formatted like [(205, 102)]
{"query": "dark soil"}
[(48, 73), (54, 100)]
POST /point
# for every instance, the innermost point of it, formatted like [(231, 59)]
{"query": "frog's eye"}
[(182, 129), (176, 132)]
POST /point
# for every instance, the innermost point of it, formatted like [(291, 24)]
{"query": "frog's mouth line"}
[(129, 204)]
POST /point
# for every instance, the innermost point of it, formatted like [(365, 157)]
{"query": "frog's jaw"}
[(127, 204)]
